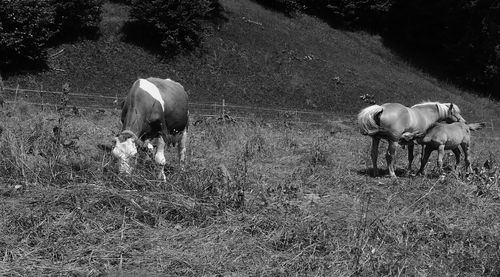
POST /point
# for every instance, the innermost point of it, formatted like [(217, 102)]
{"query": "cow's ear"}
[(105, 147), (125, 135)]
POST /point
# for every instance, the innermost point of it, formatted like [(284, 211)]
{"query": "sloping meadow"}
[(256, 198)]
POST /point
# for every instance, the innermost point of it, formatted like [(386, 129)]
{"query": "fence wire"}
[(47, 98)]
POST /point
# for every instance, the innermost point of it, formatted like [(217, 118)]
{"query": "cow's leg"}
[(160, 158), (456, 152), (465, 148), (426, 153), (390, 157), (440, 158), (181, 149), (374, 154), (411, 147), (149, 145)]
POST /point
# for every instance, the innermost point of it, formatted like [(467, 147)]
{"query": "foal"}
[(441, 136)]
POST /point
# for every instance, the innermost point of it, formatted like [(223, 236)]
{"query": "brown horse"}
[(389, 121), (442, 137)]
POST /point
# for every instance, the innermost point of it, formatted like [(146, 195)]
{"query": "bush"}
[(25, 28), (177, 24), (28, 26), (463, 33), (77, 17)]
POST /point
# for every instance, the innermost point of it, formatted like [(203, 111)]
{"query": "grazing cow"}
[(441, 136), (153, 109)]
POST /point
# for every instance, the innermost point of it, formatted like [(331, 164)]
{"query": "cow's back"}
[(175, 103)]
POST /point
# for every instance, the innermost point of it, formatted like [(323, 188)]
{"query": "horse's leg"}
[(411, 147), (181, 149), (390, 157), (440, 158), (465, 148), (160, 158), (375, 143), (456, 152), (426, 153)]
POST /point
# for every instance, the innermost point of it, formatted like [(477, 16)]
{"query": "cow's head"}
[(124, 150)]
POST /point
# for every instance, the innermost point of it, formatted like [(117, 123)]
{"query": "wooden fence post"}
[(17, 90), (41, 97), (223, 112)]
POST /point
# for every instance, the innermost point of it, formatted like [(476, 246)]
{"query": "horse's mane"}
[(442, 107)]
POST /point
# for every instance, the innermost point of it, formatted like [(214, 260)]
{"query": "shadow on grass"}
[(382, 172), (142, 35)]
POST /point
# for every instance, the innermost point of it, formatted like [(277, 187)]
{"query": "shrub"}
[(25, 28), (463, 33), (77, 17), (28, 26), (177, 24)]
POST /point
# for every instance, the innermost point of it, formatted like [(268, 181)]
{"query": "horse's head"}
[(453, 114), (124, 150)]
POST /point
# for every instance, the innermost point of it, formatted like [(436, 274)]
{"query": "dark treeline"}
[(28, 28), (458, 40)]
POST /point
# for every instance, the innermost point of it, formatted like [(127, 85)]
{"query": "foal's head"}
[(453, 114)]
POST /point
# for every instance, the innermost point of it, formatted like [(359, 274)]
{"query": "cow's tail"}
[(369, 120), (476, 126)]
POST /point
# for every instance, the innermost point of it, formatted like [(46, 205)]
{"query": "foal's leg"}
[(465, 148), (390, 157), (410, 156), (374, 154), (440, 158), (426, 153), (456, 152), (160, 158), (181, 149)]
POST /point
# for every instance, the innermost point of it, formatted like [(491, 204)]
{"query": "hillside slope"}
[(257, 57)]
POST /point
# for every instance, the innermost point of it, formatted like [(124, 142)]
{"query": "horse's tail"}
[(369, 120), (476, 126)]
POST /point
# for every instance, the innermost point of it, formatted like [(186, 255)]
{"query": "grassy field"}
[(258, 198), (255, 199)]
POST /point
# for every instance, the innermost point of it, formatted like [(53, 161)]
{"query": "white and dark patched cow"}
[(153, 109)]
